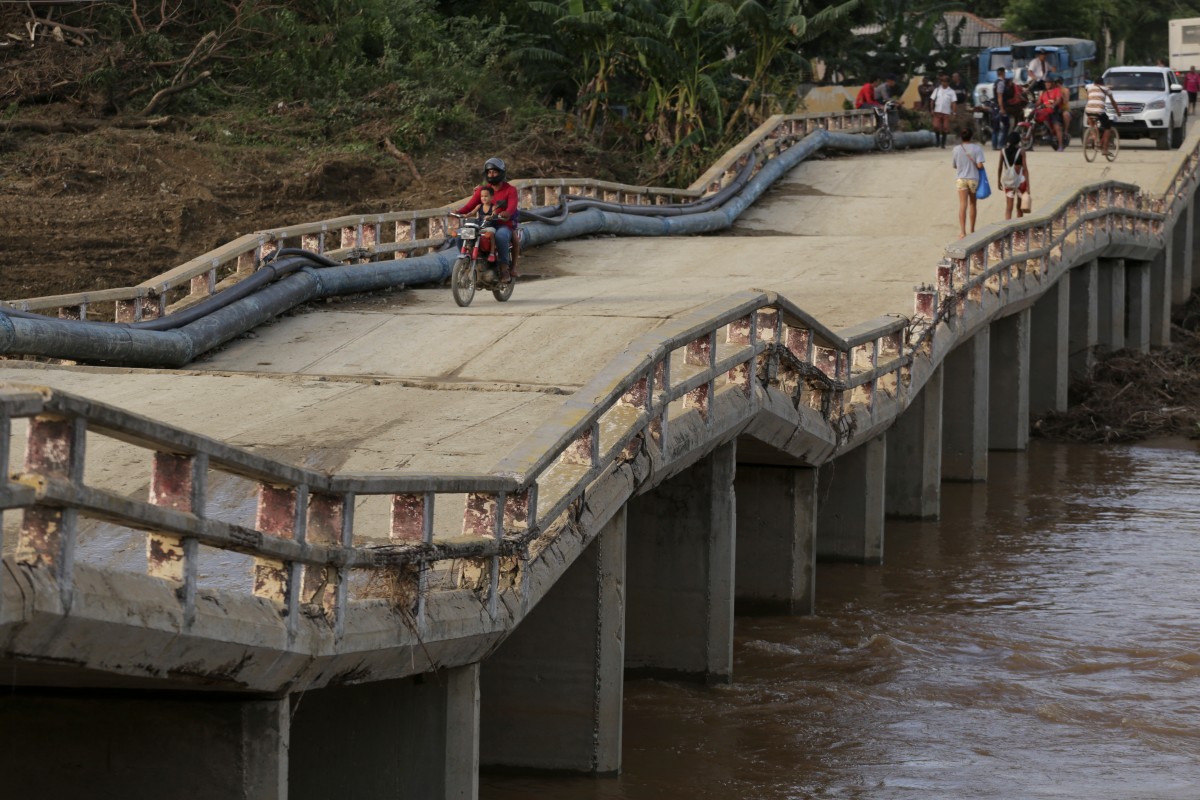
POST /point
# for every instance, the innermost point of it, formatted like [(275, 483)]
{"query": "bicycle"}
[(883, 126), (1093, 137)]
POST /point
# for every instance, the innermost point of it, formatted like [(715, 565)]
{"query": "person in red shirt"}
[(1049, 110), (505, 194), (866, 95)]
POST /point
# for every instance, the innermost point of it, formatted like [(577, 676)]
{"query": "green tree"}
[(771, 60)]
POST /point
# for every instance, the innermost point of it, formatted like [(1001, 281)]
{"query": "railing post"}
[(701, 352), (54, 449), (325, 526), (282, 512), (177, 482)]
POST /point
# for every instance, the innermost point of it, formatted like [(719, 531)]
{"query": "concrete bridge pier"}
[(144, 745), (405, 739), (1192, 249), (1160, 298), (914, 455), (1084, 330), (551, 693), (1137, 295), (1049, 323), (1110, 325), (680, 569), (1008, 382), (965, 419), (1182, 250), (850, 517), (776, 538)]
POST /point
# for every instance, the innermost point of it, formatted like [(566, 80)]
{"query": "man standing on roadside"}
[(944, 101)]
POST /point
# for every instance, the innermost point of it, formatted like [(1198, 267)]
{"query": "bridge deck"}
[(408, 380)]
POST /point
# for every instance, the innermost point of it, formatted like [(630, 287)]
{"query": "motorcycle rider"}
[(505, 194), (1049, 110)]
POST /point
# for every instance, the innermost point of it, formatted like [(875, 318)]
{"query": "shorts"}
[(943, 118), (1104, 120), (966, 183)]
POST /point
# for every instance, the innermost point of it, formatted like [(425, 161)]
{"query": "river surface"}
[(1041, 641)]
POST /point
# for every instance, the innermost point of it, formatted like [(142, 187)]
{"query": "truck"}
[(1066, 56), (1183, 44)]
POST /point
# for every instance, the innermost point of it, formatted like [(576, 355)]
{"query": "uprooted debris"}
[(1131, 396)]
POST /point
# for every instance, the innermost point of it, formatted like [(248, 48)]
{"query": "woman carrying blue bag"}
[(970, 180)]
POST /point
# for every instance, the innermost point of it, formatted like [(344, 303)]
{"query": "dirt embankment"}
[(113, 206)]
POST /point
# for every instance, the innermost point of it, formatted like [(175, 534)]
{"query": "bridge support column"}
[(1137, 297), (141, 745), (410, 738), (1182, 239), (1160, 299), (1195, 251), (1085, 301), (1049, 326), (965, 421), (551, 694), (914, 455), (776, 538), (1110, 325), (681, 574), (1008, 383), (851, 513)]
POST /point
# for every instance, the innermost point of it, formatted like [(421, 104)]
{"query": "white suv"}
[(1151, 102)]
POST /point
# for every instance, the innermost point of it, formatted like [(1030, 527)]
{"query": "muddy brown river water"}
[(1042, 640)]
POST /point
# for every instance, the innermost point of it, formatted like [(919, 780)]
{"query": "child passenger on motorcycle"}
[(505, 196), (486, 214)]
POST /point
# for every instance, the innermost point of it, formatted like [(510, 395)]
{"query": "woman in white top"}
[(968, 160)]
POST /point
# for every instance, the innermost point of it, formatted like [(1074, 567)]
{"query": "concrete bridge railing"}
[(400, 234), (839, 386)]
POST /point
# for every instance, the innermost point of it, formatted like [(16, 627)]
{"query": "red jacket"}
[(866, 96), (505, 191)]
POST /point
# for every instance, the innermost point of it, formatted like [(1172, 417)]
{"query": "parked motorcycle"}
[(472, 268)]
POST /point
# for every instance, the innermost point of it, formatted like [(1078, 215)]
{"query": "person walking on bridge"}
[(968, 160)]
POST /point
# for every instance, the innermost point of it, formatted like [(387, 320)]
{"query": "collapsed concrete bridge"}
[(376, 535)]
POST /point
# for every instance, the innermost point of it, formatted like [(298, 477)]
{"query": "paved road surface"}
[(408, 380)]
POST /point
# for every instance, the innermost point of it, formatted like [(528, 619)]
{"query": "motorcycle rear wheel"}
[(1091, 144), (462, 281)]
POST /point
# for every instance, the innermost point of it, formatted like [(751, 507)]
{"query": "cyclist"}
[(1099, 97)]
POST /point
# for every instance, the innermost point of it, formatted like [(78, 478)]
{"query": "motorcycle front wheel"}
[(883, 139), (504, 290), (462, 281)]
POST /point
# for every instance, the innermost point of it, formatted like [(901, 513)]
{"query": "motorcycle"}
[(1034, 130), (472, 268)]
